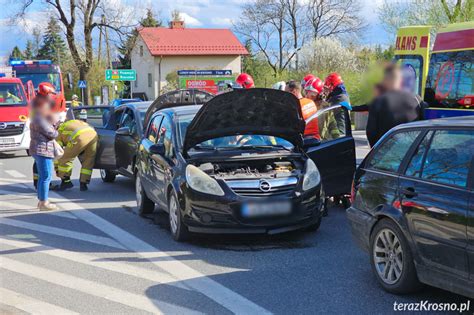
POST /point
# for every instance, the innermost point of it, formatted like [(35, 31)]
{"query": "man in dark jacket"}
[(337, 95), (392, 108)]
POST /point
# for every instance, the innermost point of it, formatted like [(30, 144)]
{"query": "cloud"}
[(221, 21), (189, 20)]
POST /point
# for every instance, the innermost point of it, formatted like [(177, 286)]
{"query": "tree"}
[(394, 15), (53, 47), (263, 23), (334, 17), (79, 19), (16, 53), (29, 50), (278, 28), (36, 40), (327, 54), (127, 45)]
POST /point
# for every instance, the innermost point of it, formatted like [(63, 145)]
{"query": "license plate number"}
[(7, 140), (252, 210)]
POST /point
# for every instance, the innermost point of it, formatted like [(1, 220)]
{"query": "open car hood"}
[(176, 98), (254, 111)]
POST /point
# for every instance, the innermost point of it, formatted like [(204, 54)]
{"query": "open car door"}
[(334, 153), (102, 119)]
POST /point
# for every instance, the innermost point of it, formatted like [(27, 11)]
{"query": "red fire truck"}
[(38, 71), (14, 113)]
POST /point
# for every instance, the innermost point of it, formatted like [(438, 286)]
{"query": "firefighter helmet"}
[(332, 81), (245, 80), (46, 88)]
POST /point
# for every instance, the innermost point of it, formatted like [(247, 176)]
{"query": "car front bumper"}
[(361, 226), (223, 215), (15, 143)]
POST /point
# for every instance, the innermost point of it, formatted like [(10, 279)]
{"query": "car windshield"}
[(233, 142), (37, 78), (11, 94)]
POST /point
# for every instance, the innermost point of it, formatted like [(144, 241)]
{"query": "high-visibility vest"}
[(308, 108)]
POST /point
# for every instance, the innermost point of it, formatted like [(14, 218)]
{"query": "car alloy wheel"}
[(388, 256), (174, 213)]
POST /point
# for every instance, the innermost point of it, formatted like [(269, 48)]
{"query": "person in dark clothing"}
[(392, 108), (337, 95)]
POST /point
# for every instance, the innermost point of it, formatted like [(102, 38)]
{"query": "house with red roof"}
[(160, 52)]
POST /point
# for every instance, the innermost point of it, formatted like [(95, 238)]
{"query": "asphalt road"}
[(97, 256)]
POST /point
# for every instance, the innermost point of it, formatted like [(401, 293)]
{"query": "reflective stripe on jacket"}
[(70, 130)]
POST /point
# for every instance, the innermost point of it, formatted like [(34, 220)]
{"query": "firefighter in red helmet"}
[(336, 94), (326, 123), (314, 89), (245, 80)]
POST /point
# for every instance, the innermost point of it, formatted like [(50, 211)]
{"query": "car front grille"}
[(263, 187), (11, 129)]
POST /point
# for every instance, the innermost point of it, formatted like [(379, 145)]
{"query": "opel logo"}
[(264, 186), (3, 125)]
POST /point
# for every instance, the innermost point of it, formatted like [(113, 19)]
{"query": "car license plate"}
[(252, 210), (7, 140)]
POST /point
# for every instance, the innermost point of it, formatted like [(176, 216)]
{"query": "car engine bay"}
[(250, 169)]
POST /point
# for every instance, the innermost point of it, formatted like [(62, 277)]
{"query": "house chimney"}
[(176, 24)]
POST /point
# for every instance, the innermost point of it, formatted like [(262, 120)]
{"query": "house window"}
[(150, 80), (141, 51)]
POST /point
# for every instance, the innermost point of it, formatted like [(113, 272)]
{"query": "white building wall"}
[(143, 65)]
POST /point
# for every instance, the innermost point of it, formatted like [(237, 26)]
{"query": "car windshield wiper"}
[(263, 147), (204, 147)]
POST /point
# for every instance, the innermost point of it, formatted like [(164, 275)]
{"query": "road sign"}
[(204, 72), (120, 75), (82, 84)]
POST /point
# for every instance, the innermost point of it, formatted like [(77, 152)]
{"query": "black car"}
[(237, 164), (413, 206), (120, 129)]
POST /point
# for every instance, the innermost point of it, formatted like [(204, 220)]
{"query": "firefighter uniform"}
[(78, 139)]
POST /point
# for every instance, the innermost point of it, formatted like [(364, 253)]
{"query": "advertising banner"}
[(209, 84)]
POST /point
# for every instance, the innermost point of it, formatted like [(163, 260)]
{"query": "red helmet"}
[(46, 89), (314, 85), (306, 79), (245, 80), (332, 80)]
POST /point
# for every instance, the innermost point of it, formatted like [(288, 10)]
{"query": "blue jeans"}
[(45, 173)]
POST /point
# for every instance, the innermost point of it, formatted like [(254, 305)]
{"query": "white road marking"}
[(179, 270), (31, 305), (62, 232), (137, 301), (98, 262), (191, 277), (15, 174)]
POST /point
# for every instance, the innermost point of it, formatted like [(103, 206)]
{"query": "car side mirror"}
[(123, 131), (158, 148)]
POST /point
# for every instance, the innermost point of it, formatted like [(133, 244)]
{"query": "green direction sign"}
[(120, 75)]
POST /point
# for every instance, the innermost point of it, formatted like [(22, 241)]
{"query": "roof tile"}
[(191, 41)]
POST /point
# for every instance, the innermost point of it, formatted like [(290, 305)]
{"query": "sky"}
[(196, 13)]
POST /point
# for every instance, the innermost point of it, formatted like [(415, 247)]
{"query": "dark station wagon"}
[(413, 206)]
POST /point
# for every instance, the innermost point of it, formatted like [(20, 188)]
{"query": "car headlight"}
[(311, 178), (200, 181)]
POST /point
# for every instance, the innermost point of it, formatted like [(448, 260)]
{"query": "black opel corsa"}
[(234, 165), (413, 206)]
